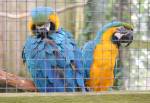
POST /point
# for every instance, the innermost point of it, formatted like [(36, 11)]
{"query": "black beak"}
[(42, 33), (123, 37), (127, 39)]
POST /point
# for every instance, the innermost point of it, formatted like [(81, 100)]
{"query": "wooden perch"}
[(16, 81), (23, 15)]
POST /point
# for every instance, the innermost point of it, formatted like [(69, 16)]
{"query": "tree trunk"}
[(94, 17), (2, 36), (79, 21), (123, 14)]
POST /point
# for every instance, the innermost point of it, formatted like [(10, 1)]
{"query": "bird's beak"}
[(127, 39), (123, 37), (42, 29)]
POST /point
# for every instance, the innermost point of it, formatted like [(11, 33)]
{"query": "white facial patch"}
[(118, 35), (40, 27), (45, 26)]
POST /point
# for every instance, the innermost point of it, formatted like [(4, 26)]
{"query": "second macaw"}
[(99, 55)]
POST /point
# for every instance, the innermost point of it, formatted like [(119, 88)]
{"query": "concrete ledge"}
[(29, 94)]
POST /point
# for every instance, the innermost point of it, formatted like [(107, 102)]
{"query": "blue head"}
[(43, 19)]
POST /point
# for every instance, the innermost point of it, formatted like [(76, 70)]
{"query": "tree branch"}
[(16, 81), (23, 15), (71, 7)]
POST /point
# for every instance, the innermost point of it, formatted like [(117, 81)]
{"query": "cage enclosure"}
[(71, 72)]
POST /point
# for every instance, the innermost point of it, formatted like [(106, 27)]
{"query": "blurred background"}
[(82, 19)]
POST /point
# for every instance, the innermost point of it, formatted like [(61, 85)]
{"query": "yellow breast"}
[(102, 68)]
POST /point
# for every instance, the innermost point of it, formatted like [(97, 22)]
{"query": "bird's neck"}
[(107, 36)]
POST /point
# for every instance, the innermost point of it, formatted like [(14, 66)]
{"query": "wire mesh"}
[(82, 18)]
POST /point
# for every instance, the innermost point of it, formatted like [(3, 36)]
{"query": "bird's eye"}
[(33, 27), (52, 27)]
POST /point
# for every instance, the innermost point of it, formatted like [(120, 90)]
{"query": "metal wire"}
[(132, 74)]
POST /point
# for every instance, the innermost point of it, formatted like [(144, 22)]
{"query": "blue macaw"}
[(51, 54), (99, 55)]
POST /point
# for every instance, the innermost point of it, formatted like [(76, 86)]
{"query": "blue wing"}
[(55, 71), (67, 46), (42, 64), (87, 54)]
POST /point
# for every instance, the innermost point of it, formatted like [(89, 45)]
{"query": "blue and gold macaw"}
[(99, 55), (51, 54)]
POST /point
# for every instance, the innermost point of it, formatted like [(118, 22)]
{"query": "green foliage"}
[(88, 25)]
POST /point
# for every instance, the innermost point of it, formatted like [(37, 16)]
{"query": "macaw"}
[(100, 54), (51, 54)]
